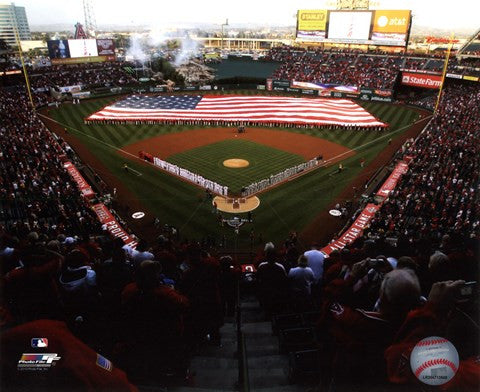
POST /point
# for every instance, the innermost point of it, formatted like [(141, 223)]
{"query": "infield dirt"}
[(306, 146)]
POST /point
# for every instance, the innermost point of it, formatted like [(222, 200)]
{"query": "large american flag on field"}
[(238, 109)]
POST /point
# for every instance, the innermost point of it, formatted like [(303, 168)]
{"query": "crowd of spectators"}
[(440, 191), (464, 66), (36, 192), (354, 68), (427, 102), (347, 68), (88, 74), (146, 309)]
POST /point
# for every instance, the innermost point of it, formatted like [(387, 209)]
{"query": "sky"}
[(461, 14)]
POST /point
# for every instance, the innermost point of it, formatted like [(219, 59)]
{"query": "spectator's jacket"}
[(79, 367), (31, 292), (272, 281), (201, 283), (301, 279), (155, 316), (339, 283), (81, 279), (360, 338)]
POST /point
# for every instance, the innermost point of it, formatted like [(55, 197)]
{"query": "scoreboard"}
[(66, 51), (372, 27)]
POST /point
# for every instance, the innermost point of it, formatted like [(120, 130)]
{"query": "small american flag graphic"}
[(238, 109)]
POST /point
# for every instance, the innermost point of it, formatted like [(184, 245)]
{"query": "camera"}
[(467, 291), (373, 263)]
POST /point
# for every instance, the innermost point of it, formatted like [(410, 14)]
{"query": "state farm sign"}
[(421, 80)]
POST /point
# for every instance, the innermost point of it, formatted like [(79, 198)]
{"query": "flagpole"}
[(25, 74), (444, 72)]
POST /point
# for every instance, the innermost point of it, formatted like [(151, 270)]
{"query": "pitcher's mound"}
[(236, 163), (236, 205)]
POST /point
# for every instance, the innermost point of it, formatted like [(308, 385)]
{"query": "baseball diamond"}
[(202, 148)]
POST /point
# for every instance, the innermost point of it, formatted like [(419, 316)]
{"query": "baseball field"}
[(297, 205)]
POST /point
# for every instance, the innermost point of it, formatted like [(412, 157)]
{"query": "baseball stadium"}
[(225, 208)]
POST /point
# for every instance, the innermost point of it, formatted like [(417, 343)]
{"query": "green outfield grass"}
[(288, 207), (208, 161)]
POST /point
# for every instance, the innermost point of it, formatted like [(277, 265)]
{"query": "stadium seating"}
[(36, 191), (90, 75), (353, 68), (344, 67)]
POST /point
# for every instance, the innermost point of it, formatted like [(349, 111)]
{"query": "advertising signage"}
[(311, 24), (390, 27), (105, 47), (378, 27), (421, 80)]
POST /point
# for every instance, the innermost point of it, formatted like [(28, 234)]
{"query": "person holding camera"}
[(355, 338)]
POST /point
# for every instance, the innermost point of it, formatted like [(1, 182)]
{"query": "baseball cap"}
[(269, 246), (69, 241)]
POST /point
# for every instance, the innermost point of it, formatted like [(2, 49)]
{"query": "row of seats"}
[(297, 337)]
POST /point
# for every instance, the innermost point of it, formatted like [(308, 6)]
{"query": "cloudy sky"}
[(182, 13)]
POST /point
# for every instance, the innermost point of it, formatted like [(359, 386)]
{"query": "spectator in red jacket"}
[(153, 327), (30, 290), (201, 284), (229, 276), (360, 336)]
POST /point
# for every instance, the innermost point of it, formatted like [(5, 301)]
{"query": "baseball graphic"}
[(434, 360)]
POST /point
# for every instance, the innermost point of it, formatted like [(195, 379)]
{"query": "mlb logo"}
[(39, 342)]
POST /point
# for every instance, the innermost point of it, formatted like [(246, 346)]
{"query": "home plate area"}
[(236, 205)]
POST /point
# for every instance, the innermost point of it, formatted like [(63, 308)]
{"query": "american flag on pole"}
[(238, 109)]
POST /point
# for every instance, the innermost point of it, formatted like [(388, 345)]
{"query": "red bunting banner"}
[(85, 189), (354, 231), (112, 226), (389, 185)]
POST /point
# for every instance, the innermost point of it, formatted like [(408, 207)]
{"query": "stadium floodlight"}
[(90, 22), (223, 24)]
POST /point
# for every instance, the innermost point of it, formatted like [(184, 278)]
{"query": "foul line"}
[(91, 137), (324, 164), (136, 172)]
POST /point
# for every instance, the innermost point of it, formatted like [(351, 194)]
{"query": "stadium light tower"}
[(90, 22), (224, 24)]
